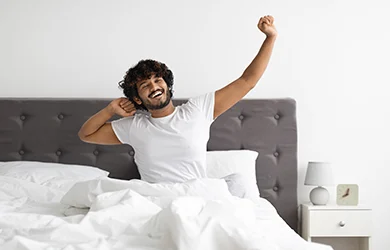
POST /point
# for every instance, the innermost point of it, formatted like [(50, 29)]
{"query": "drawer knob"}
[(342, 223)]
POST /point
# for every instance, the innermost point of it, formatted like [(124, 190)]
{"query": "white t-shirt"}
[(171, 148)]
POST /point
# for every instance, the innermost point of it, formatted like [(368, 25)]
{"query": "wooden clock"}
[(347, 194)]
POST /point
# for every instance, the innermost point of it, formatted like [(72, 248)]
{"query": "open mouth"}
[(156, 94)]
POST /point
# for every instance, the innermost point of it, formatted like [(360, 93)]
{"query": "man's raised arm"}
[(235, 91)]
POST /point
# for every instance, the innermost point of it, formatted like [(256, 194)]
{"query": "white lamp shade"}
[(319, 174)]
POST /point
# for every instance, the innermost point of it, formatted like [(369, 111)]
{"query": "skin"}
[(98, 130)]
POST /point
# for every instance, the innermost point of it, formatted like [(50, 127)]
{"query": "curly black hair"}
[(143, 70)]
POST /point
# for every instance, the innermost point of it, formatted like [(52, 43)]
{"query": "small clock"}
[(347, 194)]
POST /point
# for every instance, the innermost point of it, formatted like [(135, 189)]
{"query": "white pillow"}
[(56, 175), (243, 162)]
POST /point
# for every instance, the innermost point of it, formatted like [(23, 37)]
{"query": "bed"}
[(45, 130)]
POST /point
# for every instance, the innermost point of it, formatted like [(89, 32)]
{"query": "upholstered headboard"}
[(46, 130)]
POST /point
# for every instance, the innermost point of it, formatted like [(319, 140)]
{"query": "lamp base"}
[(319, 196)]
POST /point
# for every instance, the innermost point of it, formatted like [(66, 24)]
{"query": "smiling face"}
[(153, 93), (143, 79)]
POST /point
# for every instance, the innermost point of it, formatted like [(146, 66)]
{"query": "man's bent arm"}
[(97, 130)]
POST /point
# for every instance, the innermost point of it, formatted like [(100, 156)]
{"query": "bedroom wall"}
[(330, 57)]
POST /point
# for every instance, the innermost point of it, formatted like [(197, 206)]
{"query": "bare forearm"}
[(257, 67), (95, 122)]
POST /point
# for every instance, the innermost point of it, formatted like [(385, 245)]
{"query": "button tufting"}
[(276, 117), (131, 153), (276, 154), (241, 117), (275, 188), (21, 152), (22, 117), (60, 116), (58, 152), (96, 152)]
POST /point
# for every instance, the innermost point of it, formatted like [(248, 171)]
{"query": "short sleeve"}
[(205, 103), (122, 129)]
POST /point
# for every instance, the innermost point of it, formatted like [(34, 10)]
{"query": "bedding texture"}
[(105, 213)]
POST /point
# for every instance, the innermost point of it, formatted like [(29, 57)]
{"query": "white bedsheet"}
[(136, 215)]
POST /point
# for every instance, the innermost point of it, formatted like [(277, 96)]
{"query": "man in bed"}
[(170, 142)]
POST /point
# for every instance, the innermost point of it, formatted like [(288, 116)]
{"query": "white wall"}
[(330, 56)]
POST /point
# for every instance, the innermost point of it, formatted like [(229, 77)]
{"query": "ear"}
[(137, 100)]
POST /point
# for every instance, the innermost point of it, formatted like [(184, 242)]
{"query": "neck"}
[(157, 113)]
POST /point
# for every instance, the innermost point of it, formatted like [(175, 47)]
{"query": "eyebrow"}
[(142, 83), (145, 81)]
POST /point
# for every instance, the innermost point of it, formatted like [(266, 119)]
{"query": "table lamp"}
[(319, 174)]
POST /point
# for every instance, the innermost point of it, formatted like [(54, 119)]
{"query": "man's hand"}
[(266, 25), (121, 106)]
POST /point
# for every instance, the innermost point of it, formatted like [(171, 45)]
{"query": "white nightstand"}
[(333, 221)]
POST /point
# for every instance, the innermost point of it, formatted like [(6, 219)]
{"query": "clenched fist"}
[(122, 106), (266, 25)]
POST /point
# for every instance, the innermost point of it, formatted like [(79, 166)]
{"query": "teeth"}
[(156, 93)]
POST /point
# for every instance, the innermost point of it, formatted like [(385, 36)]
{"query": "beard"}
[(160, 105)]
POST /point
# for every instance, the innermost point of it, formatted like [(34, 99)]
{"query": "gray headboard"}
[(46, 130)]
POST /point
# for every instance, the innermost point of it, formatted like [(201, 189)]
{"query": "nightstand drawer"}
[(340, 223)]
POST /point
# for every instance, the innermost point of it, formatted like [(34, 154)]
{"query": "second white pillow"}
[(243, 162)]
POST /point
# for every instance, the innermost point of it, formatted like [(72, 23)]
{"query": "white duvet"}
[(114, 214)]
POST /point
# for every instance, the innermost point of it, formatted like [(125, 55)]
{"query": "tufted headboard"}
[(46, 130)]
